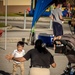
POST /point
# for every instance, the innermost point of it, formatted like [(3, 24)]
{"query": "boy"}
[(19, 52), (56, 16)]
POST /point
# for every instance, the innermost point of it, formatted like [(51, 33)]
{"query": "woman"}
[(41, 59)]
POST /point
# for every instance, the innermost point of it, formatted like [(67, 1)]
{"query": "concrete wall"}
[(17, 9), (13, 8), (17, 2)]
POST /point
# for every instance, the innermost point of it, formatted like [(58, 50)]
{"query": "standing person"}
[(41, 59), (72, 22), (56, 16), (19, 52), (69, 9)]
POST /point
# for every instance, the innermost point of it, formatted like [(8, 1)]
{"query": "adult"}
[(69, 9), (41, 59), (72, 22), (56, 16)]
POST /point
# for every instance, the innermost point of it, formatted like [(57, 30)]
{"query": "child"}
[(19, 52)]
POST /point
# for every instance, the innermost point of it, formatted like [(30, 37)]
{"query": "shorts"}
[(57, 29)]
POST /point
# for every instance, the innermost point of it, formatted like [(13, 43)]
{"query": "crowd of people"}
[(68, 11)]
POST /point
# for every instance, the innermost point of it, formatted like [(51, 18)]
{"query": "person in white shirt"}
[(19, 52)]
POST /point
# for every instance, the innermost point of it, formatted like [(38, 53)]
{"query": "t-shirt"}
[(17, 54), (56, 13), (39, 59)]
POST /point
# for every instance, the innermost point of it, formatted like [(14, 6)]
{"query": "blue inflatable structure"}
[(41, 6)]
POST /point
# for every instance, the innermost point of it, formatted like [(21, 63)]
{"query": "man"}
[(56, 16)]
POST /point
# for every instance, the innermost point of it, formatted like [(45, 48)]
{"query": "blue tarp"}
[(41, 6)]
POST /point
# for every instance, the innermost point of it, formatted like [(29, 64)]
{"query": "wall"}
[(17, 2), (13, 8)]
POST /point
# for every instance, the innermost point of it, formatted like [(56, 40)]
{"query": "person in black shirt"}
[(41, 59)]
